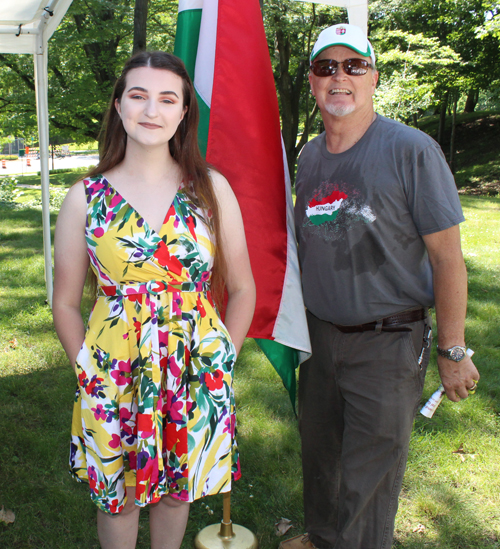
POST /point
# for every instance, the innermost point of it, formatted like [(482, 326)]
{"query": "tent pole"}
[(42, 109), (357, 10)]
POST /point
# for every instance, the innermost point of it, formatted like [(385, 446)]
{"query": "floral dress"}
[(154, 407)]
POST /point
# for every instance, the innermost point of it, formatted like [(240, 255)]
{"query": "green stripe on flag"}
[(285, 361), (187, 37)]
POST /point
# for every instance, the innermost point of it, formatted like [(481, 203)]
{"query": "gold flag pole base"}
[(226, 535)]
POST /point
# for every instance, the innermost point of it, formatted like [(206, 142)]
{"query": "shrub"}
[(8, 192)]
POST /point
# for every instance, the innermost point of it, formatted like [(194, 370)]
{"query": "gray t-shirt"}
[(360, 216)]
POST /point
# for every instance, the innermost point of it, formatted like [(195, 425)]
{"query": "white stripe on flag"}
[(291, 312), (190, 5), (205, 59)]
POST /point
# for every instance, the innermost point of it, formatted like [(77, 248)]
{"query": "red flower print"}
[(177, 438), (200, 307), (134, 296), (145, 426), (132, 460), (191, 226), (137, 328), (164, 258), (115, 441), (214, 381), (114, 508), (109, 290), (92, 476), (93, 386), (181, 447)]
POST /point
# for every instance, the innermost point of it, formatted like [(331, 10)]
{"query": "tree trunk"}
[(452, 139), (140, 19), (472, 99), (442, 118)]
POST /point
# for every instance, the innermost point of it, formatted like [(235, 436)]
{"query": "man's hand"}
[(457, 377)]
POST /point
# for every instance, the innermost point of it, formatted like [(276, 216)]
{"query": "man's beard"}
[(339, 110)]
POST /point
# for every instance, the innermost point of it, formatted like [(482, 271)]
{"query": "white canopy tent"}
[(25, 27), (357, 10)]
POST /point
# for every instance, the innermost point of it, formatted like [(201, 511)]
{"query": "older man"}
[(377, 219)]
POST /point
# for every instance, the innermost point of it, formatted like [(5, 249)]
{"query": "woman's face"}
[(151, 107)]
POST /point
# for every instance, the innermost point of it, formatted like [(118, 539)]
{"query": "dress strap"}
[(153, 287)]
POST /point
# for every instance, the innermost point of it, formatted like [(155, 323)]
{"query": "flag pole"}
[(226, 535)]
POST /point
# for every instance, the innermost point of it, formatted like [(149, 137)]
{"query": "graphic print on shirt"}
[(335, 208)]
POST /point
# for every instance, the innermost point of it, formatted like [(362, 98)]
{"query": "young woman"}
[(153, 421)]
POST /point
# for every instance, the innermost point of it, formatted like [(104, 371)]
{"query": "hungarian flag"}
[(224, 47)]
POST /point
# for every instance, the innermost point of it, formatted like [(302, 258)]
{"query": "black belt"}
[(388, 324)]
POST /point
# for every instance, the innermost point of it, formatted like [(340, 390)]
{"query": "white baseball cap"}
[(350, 36)]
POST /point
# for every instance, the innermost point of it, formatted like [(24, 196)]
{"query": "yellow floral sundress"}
[(154, 406)]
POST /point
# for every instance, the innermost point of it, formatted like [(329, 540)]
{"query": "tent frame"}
[(357, 10), (32, 37)]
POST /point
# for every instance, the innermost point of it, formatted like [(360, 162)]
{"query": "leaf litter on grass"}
[(6, 515)]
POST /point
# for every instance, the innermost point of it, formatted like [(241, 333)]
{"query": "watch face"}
[(457, 353)]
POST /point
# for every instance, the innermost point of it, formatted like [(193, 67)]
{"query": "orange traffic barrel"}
[(4, 164), (28, 163)]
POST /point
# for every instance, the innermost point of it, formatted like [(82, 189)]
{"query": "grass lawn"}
[(450, 493)]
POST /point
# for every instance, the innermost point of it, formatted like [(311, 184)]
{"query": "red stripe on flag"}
[(244, 142)]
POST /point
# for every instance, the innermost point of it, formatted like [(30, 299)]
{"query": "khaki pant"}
[(358, 395)]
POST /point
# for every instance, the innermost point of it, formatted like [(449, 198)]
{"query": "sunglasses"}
[(352, 67)]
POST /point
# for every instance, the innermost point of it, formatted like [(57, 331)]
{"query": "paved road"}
[(19, 166)]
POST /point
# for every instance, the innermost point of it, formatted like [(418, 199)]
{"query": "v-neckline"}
[(144, 220)]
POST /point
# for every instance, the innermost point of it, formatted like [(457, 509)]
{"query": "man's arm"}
[(450, 291)]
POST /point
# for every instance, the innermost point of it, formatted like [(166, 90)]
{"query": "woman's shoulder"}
[(221, 185), (75, 203)]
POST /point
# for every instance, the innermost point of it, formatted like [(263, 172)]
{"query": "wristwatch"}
[(456, 353)]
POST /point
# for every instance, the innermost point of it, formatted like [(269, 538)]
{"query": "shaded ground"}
[(477, 151)]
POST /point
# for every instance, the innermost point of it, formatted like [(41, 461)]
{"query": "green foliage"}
[(453, 26), (9, 192), (86, 54), (412, 67), (492, 22)]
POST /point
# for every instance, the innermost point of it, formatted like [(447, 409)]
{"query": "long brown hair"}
[(183, 148)]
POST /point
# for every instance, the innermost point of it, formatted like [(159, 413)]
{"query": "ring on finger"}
[(472, 390)]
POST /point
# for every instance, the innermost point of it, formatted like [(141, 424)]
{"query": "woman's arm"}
[(239, 280), (71, 263)]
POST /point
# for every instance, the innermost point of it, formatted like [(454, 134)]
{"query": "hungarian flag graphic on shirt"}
[(223, 45), (325, 209)]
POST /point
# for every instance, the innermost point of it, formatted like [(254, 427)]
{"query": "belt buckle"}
[(159, 288)]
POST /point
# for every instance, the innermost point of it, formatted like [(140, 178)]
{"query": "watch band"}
[(455, 353)]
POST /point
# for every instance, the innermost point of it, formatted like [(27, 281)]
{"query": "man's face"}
[(341, 94)]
